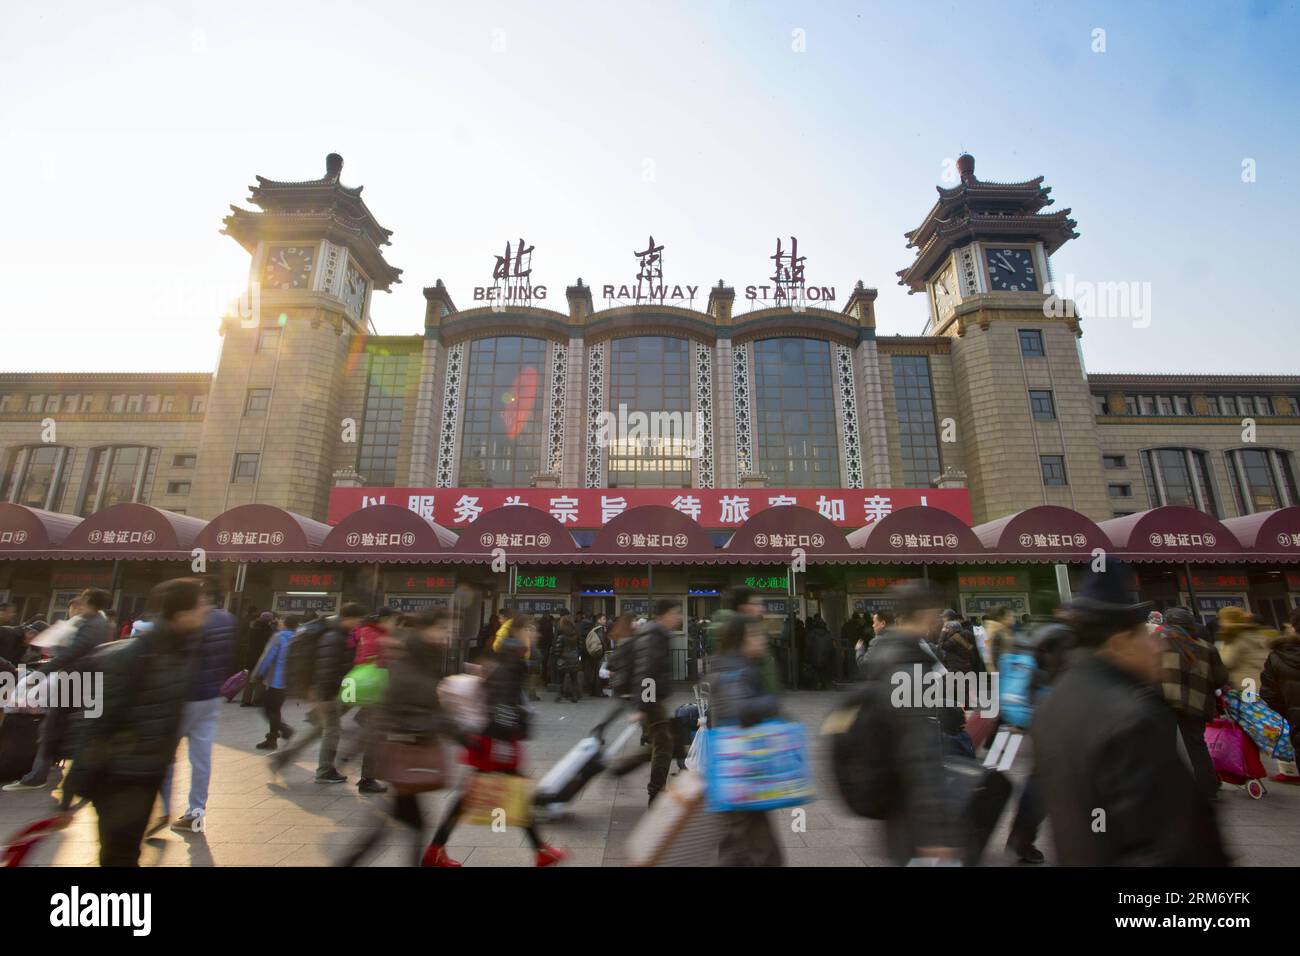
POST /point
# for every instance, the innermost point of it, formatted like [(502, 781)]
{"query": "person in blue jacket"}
[(271, 669)]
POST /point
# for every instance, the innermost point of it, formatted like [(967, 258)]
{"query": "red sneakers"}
[(437, 856), (549, 855)]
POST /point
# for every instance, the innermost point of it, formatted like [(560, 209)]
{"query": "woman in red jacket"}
[(499, 749)]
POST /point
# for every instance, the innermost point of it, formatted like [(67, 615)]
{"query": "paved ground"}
[(254, 821)]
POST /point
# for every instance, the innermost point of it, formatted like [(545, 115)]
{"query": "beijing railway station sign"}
[(457, 508)]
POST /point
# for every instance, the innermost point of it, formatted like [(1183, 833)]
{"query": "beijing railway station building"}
[(668, 444)]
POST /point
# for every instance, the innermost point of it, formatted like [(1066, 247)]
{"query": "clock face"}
[(288, 267), (945, 290), (354, 289), (1011, 270)]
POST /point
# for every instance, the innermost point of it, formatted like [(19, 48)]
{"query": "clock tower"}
[(275, 422), (982, 261)]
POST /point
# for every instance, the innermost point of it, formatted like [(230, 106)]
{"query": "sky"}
[(128, 129)]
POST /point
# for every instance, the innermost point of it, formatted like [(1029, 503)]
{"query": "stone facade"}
[(295, 373)]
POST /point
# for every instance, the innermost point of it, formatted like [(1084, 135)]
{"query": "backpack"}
[(862, 752), (300, 662), (622, 661), (595, 646), (1016, 685)]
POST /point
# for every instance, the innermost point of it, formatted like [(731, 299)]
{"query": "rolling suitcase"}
[(18, 739), (980, 794), (587, 758)]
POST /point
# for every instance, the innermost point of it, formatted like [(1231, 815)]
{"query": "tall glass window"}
[(36, 476), (116, 474), (650, 401), (1179, 476), (914, 404), (1262, 479), (381, 428), (796, 441), (501, 445)]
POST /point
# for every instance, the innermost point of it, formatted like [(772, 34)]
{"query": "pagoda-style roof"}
[(315, 209), (975, 209)]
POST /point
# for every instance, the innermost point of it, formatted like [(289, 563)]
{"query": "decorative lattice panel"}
[(595, 466), (704, 414), (744, 417), (555, 412), (848, 401), (451, 400)]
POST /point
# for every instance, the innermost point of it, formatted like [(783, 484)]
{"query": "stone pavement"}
[(254, 820)]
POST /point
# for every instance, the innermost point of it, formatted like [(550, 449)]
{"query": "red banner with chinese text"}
[(585, 508)]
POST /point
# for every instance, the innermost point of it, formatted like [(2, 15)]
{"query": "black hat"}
[(35, 626), (1179, 617), (1105, 598)]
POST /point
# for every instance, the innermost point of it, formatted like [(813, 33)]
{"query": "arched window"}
[(650, 405), (796, 441), (36, 476), (1179, 476), (1262, 479), (504, 429), (117, 473)]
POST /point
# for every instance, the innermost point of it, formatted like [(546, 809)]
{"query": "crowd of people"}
[(1120, 695)]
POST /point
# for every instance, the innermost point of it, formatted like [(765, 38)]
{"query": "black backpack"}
[(300, 663), (862, 752)]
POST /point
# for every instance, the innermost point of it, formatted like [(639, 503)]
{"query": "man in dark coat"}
[(334, 656), (214, 661), (821, 652), (1280, 681), (57, 733), (123, 754), (1106, 747), (922, 825), (651, 686), (260, 630)]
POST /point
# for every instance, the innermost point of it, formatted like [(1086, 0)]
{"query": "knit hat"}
[(1232, 621), (1104, 603)]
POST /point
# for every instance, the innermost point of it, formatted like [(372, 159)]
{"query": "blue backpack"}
[(1017, 686)]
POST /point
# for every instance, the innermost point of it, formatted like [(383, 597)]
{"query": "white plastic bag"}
[(463, 696), (695, 756)]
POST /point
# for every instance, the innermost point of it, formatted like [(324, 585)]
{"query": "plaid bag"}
[(489, 792)]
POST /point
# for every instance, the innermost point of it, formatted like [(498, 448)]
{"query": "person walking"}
[(740, 697), (821, 653), (411, 713), (214, 660), (260, 628), (499, 749), (374, 640), (1244, 645), (89, 629), (920, 825), (1105, 745), (122, 756), (853, 631), (596, 644), (271, 670), (567, 657), (1190, 673), (334, 656), (1280, 687), (652, 686)]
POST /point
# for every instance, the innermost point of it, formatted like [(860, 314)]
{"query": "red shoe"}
[(549, 855), (437, 856)]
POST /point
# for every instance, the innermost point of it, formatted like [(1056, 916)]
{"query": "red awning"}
[(524, 534), (32, 532), (130, 530), (1173, 533), (1271, 535), (651, 534), (771, 536), (919, 535), (1043, 533), (386, 533), (261, 533)]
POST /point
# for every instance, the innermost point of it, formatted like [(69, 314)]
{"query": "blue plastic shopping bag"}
[(763, 767)]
